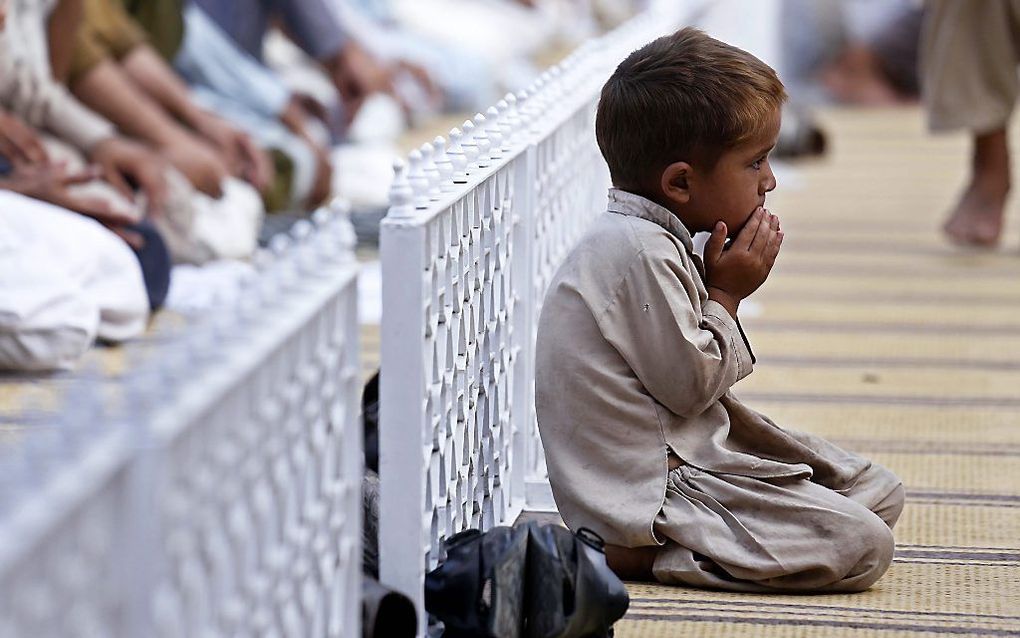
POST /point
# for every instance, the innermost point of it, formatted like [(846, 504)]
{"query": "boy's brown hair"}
[(685, 96)]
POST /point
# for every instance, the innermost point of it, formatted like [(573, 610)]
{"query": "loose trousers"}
[(776, 535)]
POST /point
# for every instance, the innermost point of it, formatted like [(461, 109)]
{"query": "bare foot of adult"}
[(977, 219)]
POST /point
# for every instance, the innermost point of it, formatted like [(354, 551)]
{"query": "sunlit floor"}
[(875, 333)]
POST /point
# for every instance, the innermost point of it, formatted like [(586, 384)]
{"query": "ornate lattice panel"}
[(260, 470), (221, 495), (260, 523), (61, 558), (451, 352)]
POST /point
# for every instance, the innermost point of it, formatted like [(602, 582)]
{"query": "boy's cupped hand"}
[(734, 273)]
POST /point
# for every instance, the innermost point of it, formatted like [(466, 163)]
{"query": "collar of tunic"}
[(625, 203)]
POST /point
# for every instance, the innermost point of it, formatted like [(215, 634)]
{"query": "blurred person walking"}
[(969, 57)]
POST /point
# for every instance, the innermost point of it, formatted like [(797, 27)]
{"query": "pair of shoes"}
[(539, 581)]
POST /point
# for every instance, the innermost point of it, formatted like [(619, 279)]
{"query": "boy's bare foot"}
[(977, 219), (631, 563)]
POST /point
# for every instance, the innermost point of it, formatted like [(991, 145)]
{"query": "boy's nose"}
[(769, 182)]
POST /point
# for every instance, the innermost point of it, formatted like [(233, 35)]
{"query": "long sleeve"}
[(209, 58), (686, 359), (37, 98), (315, 25), (107, 32)]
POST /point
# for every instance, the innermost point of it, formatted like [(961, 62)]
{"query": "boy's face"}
[(735, 186)]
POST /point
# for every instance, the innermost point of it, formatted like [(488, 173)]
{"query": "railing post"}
[(524, 375), (403, 448)]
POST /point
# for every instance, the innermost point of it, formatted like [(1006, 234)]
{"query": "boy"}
[(638, 346)]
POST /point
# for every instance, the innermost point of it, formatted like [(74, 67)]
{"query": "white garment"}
[(64, 280), (230, 225), (197, 290), (503, 35), (27, 88)]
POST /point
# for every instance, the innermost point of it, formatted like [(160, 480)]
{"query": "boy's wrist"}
[(725, 299)]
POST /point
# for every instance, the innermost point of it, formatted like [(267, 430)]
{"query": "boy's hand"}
[(734, 273)]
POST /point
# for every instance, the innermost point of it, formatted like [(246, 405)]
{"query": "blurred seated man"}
[(863, 53), (68, 278), (428, 72), (315, 27), (117, 73), (135, 180), (231, 82)]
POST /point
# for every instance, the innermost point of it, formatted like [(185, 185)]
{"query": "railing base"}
[(538, 495)]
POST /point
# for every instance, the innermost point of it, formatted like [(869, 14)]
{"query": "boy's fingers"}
[(771, 231), (774, 247), (715, 244), (759, 239), (747, 233), (769, 243)]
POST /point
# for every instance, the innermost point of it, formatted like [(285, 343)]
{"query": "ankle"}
[(995, 186)]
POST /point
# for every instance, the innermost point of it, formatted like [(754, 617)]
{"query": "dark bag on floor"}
[(533, 581)]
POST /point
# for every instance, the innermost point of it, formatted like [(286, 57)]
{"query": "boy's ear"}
[(675, 182)]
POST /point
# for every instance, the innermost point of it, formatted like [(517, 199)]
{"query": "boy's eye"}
[(756, 164)]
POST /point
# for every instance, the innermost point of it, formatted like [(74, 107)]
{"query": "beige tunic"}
[(633, 360)]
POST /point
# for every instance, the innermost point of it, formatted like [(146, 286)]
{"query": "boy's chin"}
[(733, 232)]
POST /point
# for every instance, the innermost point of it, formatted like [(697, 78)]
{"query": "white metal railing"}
[(217, 490), (478, 225)]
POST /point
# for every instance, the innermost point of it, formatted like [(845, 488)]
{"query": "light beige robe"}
[(968, 58), (634, 361)]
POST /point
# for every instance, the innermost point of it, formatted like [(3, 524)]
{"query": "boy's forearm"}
[(728, 301)]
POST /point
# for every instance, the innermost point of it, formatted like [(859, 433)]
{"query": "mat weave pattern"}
[(874, 332)]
